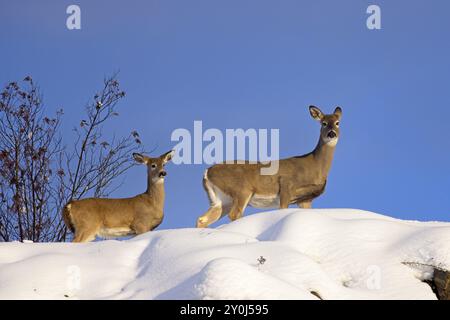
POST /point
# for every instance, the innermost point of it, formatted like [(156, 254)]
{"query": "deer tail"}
[(67, 218)]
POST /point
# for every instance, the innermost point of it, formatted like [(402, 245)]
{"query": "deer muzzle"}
[(162, 174), (332, 134)]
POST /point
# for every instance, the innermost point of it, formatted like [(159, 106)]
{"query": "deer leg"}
[(209, 217), (219, 206), (285, 196), (140, 228), (85, 236), (238, 207), (305, 204), (155, 225), (284, 201)]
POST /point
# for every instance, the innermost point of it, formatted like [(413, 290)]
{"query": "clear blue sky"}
[(258, 64)]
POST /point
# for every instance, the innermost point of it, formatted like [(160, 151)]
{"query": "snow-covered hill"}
[(306, 253)]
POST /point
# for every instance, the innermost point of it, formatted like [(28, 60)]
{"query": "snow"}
[(331, 253)]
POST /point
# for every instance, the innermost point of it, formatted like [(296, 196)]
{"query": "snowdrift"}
[(306, 254)]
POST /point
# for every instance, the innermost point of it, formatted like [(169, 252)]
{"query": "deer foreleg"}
[(305, 204), (85, 235), (285, 195), (140, 228), (239, 205)]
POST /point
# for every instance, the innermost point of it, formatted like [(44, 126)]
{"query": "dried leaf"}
[(135, 134)]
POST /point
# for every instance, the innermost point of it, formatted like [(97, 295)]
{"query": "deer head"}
[(329, 131), (155, 166)]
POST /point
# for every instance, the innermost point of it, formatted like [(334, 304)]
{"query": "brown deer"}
[(111, 218), (232, 186)]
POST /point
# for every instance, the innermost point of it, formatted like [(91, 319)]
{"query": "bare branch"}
[(39, 175)]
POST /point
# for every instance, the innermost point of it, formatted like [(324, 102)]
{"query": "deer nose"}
[(332, 134), (162, 174)]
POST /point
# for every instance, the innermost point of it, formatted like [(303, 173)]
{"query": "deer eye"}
[(324, 124), (337, 123)]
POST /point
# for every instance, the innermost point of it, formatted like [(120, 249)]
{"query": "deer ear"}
[(316, 113), (139, 158), (338, 112), (168, 156)]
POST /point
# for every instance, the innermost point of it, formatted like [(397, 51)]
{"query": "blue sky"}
[(258, 64)]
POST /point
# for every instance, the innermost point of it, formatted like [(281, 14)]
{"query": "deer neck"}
[(323, 154), (155, 190)]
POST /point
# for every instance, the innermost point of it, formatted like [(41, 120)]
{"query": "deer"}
[(110, 218), (231, 187)]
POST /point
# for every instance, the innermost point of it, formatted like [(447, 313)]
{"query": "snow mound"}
[(283, 254)]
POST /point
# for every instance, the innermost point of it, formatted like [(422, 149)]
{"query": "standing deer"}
[(88, 218), (231, 187)]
